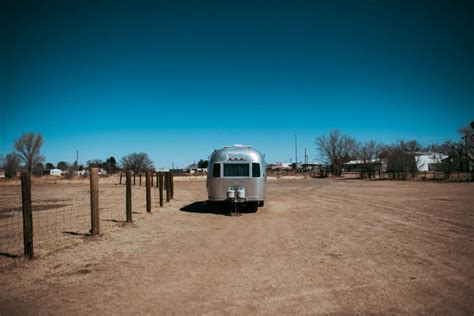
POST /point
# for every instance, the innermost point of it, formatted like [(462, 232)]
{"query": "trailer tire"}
[(252, 207)]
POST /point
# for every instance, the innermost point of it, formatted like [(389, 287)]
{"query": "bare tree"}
[(38, 169), (11, 165), (336, 149), (467, 134), (28, 149), (368, 153), (137, 162), (401, 159), (95, 163)]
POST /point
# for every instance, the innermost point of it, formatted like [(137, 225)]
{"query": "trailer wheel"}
[(252, 207), (261, 203)]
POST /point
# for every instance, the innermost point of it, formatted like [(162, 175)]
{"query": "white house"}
[(280, 166), (56, 172), (81, 173), (427, 161)]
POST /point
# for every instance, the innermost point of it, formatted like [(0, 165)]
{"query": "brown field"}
[(318, 246)]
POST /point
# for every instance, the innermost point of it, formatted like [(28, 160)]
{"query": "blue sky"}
[(177, 79)]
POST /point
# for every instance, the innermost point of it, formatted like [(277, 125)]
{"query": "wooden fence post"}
[(151, 177), (148, 190), (168, 189), (27, 214), (120, 177), (95, 224), (128, 182), (172, 185), (140, 178), (160, 187), (134, 178)]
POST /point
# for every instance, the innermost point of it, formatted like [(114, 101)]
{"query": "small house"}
[(429, 161), (55, 172), (81, 173)]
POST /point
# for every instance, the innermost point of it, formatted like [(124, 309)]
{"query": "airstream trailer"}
[(236, 174)]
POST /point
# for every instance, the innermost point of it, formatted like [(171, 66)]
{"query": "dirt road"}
[(318, 246)]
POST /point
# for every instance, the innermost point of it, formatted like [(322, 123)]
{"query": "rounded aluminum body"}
[(237, 168)]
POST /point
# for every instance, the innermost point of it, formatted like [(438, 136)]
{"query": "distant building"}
[(358, 165), (55, 172), (312, 166), (429, 161), (280, 166), (81, 173)]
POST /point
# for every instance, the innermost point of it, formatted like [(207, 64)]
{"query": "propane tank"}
[(241, 193), (230, 193)]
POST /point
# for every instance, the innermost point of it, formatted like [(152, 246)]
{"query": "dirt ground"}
[(318, 246)]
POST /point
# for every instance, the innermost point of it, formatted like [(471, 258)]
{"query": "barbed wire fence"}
[(382, 175), (58, 218), (11, 221)]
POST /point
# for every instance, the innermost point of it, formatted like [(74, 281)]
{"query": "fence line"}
[(50, 218), (419, 175)]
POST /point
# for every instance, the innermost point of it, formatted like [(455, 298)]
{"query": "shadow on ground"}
[(8, 255), (207, 207)]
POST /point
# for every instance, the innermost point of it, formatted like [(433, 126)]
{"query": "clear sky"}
[(177, 79)]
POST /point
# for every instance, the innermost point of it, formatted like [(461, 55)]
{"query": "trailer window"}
[(236, 170), (216, 170), (256, 170)]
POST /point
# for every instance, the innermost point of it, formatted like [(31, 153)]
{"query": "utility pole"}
[(296, 152), (467, 157)]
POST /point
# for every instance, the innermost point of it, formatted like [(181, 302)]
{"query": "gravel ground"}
[(318, 247)]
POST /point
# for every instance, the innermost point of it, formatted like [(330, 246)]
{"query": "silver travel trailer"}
[(236, 174)]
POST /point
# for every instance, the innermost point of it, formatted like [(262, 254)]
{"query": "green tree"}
[(63, 165), (203, 163), (110, 165)]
